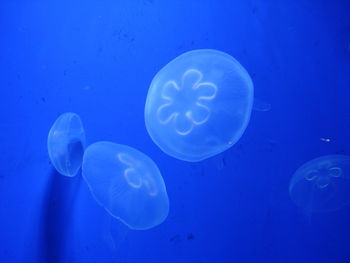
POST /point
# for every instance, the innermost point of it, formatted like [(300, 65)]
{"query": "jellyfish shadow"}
[(57, 215)]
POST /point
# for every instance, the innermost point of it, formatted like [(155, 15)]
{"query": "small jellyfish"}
[(65, 144), (322, 184), (127, 183), (199, 104)]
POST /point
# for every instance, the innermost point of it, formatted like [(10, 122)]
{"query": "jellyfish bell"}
[(127, 183), (322, 184), (65, 143), (199, 104)]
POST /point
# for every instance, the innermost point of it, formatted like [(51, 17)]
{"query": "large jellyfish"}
[(127, 183), (199, 104), (322, 184), (65, 143)]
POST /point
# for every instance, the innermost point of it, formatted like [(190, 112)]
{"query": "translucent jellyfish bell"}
[(65, 143), (322, 184), (127, 183), (199, 104)]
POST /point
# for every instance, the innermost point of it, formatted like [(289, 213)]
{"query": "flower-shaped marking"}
[(324, 174), (184, 105), (136, 175)]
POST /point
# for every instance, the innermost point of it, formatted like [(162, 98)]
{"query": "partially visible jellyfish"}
[(199, 104), (127, 183), (322, 184), (65, 143)]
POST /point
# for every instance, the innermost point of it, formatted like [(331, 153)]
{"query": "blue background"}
[(97, 58)]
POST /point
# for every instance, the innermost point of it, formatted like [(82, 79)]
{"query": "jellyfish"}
[(127, 183), (65, 144), (322, 184), (199, 105)]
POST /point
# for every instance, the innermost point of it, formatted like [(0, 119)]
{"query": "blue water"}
[(97, 58)]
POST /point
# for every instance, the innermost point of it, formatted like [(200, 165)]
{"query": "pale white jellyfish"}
[(127, 183), (322, 184), (65, 144), (199, 104)]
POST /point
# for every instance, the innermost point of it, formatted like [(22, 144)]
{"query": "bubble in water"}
[(199, 104), (65, 143), (127, 183), (322, 184)]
